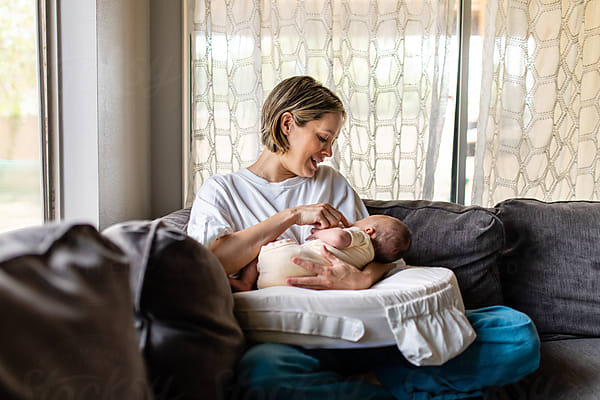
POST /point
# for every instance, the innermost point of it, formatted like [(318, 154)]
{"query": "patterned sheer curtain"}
[(540, 104), (386, 59)]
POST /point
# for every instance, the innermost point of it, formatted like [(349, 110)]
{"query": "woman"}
[(284, 194)]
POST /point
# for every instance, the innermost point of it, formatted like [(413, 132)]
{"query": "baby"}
[(377, 237)]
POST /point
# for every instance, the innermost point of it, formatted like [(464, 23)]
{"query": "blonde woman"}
[(283, 195)]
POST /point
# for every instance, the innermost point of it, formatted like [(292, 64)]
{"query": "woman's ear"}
[(287, 121)]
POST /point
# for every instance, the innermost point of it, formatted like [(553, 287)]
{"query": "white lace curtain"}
[(386, 59), (540, 105)]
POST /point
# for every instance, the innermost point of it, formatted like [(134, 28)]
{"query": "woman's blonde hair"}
[(303, 97)]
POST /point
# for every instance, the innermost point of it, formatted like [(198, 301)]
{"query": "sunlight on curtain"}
[(540, 102), (386, 59)]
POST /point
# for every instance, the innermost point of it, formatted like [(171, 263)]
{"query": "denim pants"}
[(506, 349)]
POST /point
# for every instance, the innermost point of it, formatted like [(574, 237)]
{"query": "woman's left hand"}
[(338, 275)]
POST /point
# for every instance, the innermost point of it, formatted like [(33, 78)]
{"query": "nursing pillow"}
[(419, 309)]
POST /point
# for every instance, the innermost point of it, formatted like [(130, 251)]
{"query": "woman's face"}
[(309, 144)]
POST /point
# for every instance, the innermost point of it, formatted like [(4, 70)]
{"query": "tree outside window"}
[(20, 192)]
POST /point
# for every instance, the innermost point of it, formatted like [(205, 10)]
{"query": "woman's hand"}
[(338, 275), (322, 215)]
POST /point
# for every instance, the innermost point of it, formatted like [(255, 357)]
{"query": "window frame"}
[(49, 126), (461, 120)]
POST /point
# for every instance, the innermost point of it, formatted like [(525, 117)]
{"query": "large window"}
[(393, 64), (21, 201), (396, 65), (443, 104)]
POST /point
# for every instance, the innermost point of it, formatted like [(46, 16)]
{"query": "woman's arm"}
[(338, 275), (236, 250)]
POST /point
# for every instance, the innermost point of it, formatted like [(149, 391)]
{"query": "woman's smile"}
[(311, 144)]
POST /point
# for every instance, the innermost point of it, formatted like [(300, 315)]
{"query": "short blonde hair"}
[(302, 96)]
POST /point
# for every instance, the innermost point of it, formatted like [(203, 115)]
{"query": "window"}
[(21, 202), (393, 64), (414, 84)]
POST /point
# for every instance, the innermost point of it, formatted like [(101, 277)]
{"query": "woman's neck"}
[(269, 167)]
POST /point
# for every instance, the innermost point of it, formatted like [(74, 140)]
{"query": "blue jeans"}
[(506, 349)]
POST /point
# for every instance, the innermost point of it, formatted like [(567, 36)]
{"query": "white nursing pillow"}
[(420, 309)]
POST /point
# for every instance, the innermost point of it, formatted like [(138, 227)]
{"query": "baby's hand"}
[(313, 234), (322, 233), (336, 237)]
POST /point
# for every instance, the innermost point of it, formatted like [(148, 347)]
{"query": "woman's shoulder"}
[(217, 186), (212, 183)]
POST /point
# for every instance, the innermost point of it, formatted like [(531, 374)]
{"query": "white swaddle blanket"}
[(275, 258), (420, 309)]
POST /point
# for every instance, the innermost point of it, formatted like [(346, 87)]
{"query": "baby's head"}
[(390, 237)]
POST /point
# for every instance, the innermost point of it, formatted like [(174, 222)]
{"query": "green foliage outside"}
[(18, 84), (20, 199)]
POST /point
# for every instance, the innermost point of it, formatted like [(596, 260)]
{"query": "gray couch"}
[(63, 288), (550, 269), (539, 258)]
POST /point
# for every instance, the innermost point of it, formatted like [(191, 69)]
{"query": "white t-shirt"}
[(236, 201), (275, 258)]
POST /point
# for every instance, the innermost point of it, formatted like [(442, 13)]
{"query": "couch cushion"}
[(188, 333), (568, 371), (551, 267), (67, 320), (467, 240)]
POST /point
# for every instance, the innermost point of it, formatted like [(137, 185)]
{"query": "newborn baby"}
[(377, 237)]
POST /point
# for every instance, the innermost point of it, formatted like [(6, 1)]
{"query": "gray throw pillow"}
[(67, 320), (468, 240), (551, 267), (184, 309)]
